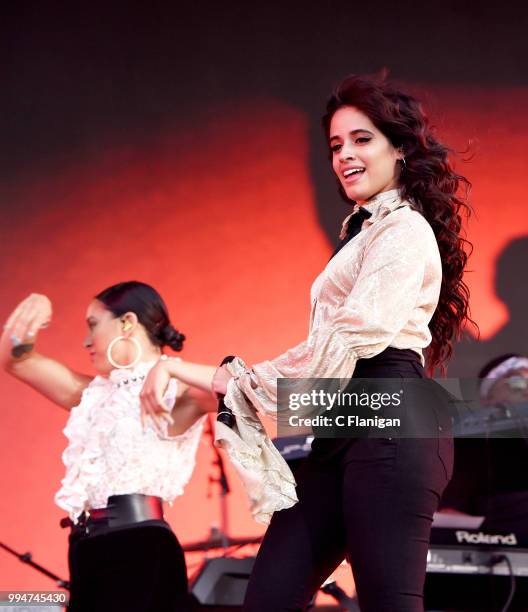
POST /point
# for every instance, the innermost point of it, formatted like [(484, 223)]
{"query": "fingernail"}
[(15, 340), (30, 334)]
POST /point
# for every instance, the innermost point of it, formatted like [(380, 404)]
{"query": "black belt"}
[(122, 510)]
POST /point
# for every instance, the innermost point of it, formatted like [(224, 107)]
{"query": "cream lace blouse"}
[(380, 290), (109, 453)]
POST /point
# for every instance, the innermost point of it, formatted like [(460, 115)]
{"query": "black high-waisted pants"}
[(372, 501), (137, 569)]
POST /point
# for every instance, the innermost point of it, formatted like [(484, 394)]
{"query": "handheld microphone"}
[(224, 414)]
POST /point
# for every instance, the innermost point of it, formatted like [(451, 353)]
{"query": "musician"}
[(123, 555), (392, 290), (490, 478)]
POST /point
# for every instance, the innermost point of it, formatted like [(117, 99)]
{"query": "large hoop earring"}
[(128, 365)]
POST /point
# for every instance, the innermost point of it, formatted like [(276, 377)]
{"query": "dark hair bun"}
[(170, 336)]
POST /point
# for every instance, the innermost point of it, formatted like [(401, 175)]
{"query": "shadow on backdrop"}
[(511, 288)]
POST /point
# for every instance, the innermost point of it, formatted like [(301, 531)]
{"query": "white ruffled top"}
[(109, 452)]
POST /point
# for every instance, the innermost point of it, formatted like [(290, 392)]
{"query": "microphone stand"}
[(218, 537), (224, 491), (27, 558)]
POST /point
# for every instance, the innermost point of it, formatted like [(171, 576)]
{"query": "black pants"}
[(137, 569), (373, 501)]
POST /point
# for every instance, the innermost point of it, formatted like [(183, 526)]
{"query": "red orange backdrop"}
[(221, 218)]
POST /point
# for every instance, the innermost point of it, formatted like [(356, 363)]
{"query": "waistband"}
[(393, 354), (122, 511)]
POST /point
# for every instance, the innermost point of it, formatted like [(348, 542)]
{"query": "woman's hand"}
[(152, 393), (53, 379), (29, 316), (220, 379)]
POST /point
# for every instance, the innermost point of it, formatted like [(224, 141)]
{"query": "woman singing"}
[(123, 554), (392, 289)]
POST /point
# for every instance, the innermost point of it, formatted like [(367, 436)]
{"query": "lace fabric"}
[(109, 453), (267, 478)]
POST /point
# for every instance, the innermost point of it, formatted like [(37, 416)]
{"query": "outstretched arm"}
[(196, 376), (192, 404), (18, 357)]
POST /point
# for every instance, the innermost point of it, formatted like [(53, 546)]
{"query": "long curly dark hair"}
[(430, 183)]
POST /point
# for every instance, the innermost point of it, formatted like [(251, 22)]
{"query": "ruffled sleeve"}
[(268, 481), (378, 307)]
